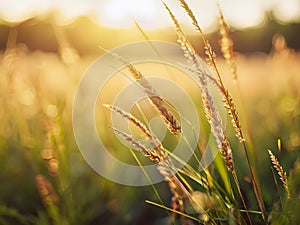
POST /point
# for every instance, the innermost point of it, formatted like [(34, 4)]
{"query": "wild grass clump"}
[(45, 181), (225, 208)]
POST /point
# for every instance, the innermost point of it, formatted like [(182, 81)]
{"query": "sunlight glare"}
[(150, 14), (246, 14), (288, 12), (121, 14), (16, 11), (69, 10)]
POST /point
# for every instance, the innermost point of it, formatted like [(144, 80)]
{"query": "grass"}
[(44, 179)]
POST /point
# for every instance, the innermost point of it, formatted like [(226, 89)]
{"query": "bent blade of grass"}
[(145, 36), (174, 211), (146, 175), (221, 167), (251, 211)]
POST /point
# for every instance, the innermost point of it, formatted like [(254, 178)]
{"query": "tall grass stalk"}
[(227, 50), (228, 104), (208, 103)]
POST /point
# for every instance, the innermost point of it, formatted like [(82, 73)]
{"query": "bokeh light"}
[(121, 14), (287, 12), (244, 14)]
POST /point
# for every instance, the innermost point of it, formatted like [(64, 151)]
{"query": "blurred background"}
[(50, 25), (46, 47)]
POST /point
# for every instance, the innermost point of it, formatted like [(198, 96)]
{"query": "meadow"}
[(45, 180)]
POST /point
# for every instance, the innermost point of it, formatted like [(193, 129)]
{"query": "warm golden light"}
[(244, 14), (15, 11), (121, 14), (287, 12), (150, 14)]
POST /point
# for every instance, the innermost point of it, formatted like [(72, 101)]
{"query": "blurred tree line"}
[(85, 35)]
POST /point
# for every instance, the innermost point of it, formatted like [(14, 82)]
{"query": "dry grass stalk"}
[(153, 155), (169, 118), (217, 129), (208, 103), (214, 121), (212, 62), (226, 44), (130, 118), (156, 142), (185, 6), (189, 51), (229, 104), (211, 56), (280, 171)]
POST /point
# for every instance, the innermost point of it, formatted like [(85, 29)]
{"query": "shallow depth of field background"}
[(45, 48)]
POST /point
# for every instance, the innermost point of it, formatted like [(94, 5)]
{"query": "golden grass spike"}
[(153, 155), (131, 118), (217, 129), (212, 62), (216, 126), (211, 57), (189, 51), (280, 171), (227, 155), (208, 103), (229, 104), (169, 118), (154, 140), (226, 44), (190, 13)]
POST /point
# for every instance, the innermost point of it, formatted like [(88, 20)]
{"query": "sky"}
[(150, 14)]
